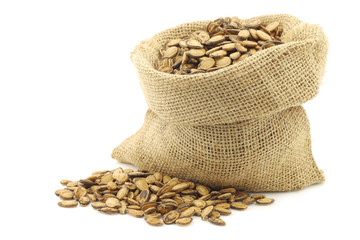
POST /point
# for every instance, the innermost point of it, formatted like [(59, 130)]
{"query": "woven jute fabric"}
[(241, 126)]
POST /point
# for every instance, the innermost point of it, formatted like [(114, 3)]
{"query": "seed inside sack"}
[(221, 43)]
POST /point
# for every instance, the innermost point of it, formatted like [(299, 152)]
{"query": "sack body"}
[(242, 126)]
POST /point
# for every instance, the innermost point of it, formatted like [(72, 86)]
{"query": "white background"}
[(69, 94)]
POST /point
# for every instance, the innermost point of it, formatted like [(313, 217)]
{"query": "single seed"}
[(171, 217), (136, 213), (265, 201), (184, 221), (217, 221), (238, 205), (154, 221), (67, 204)]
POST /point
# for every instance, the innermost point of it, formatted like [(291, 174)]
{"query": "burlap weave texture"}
[(241, 126)]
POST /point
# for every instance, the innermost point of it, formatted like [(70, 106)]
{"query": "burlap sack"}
[(241, 126)]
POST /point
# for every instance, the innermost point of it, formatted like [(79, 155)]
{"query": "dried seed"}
[(154, 215), (222, 211), (171, 52), (109, 210), (173, 42), (188, 212), (72, 184), (215, 40), (192, 43), (183, 44), (99, 172), (141, 184), (234, 55), (60, 191), (228, 190), (217, 221), (272, 26), (169, 201), (166, 179), (184, 206), (265, 201), (189, 192), (262, 35), (197, 211), (92, 197), (136, 207), (171, 217), (106, 178), (239, 206), (253, 34), (128, 171), (67, 204), (224, 196), (180, 187), (164, 208), (215, 214), (112, 202), (153, 198), (154, 188), (199, 203), (98, 205), (202, 36), (150, 210), (248, 200), (229, 47), (223, 205), (122, 193), (258, 196), (144, 196), (112, 186), (223, 62), (242, 57), (122, 208), (135, 213), (121, 178), (205, 197), (148, 205), (235, 38), (248, 43), (254, 23), (202, 190), (196, 53), (132, 201), (66, 195), (244, 34), (188, 198), (158, 176), (178, 200), (206, 212), (86, 183), (240, 48), (164, 189), (64, 182), (151, 179), (213, 50), (80, 192), (154, 221), (218, 54), (167, 195), (84, 201), (184, 221)]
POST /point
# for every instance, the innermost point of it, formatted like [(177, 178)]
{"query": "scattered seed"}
[(143, 194)]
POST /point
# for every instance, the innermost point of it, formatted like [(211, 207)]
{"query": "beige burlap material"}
[(241, 126)]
